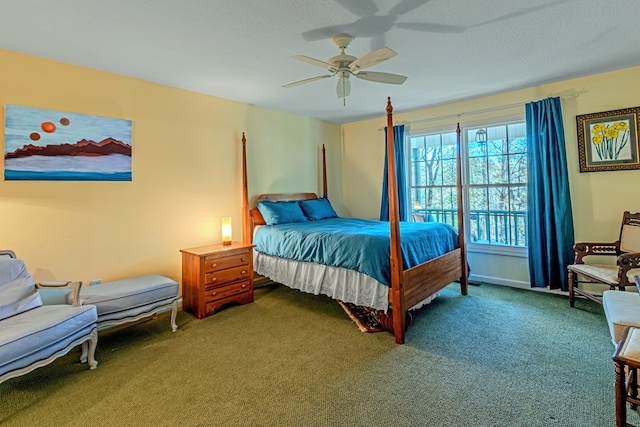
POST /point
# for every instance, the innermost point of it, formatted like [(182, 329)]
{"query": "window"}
[(494, 161)]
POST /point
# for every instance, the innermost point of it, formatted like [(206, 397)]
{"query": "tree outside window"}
[(494, 185)]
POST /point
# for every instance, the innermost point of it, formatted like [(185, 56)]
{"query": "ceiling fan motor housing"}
[(342, 41), (341, 61)]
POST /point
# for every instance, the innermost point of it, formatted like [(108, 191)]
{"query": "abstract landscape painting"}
[(46, 145)]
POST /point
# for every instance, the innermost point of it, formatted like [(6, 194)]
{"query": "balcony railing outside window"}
[(495, 227)]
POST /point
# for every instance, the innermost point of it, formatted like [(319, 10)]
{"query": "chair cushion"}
[(37, 330), (622, 309), (630, 349), (603, 273), (17, 290), (630, 238), (114, 298)]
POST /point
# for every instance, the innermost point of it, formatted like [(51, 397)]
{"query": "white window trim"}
[(486, 248)]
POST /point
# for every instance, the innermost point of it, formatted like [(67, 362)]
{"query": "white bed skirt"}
[(336, 282)]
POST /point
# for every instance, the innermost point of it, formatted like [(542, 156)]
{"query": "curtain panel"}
[(401, 175), (550, 218)]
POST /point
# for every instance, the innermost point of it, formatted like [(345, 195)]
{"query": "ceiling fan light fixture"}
[(343, 88)]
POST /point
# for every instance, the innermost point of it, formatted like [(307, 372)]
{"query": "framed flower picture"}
[(608, 141)]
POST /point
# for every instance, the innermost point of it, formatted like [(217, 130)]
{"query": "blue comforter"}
[(356, 244)]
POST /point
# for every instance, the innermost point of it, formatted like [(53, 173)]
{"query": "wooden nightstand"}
[(215, 275)]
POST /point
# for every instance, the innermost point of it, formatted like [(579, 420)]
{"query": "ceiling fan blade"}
[(313, 61), (372, 58), (312, 79), (373, 76), (344, 87)]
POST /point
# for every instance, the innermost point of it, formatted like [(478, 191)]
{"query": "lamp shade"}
[(227, 235)]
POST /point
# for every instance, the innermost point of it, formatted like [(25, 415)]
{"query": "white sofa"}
[(33, 334), (622, 309)]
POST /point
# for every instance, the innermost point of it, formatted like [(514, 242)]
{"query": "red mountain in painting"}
[(80, 148)]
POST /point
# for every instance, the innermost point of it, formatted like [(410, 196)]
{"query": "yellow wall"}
[(598, 198), (186, 173), (186, 169)]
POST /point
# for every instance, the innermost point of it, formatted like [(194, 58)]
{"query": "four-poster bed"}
[(408, 284)]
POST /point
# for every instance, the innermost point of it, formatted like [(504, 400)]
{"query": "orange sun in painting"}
[(48, 127)]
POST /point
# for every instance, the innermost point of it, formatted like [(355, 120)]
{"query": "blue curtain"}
[(398, 145), (550, 219)]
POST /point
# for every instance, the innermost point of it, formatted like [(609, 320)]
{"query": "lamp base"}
[(226, 243)]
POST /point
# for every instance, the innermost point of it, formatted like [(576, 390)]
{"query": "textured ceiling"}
[(241, 49)]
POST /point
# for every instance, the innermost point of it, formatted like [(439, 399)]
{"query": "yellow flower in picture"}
[(611, 132), (609, 139)]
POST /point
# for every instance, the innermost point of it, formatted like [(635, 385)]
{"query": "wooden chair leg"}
[(621, 396), (633, 385), (572, 297)]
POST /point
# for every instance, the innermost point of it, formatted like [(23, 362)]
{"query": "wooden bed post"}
[(324, 173), (246, 220), (397, 296), (464, 279)]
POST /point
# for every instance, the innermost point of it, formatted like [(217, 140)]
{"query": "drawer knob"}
[(214, 293), (213, 279), (244, 272), (244, 285), (214, 265), (242, 259)]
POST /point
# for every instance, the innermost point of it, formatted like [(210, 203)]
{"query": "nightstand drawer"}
[(228, 275), (220, 292), (212, 263)]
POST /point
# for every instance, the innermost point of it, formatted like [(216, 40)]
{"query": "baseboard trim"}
[(512, 283)]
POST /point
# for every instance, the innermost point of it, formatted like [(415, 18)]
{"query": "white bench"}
[(622, 310), (131, 299)]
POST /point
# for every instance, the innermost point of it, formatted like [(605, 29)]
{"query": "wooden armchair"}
[(618, 275)]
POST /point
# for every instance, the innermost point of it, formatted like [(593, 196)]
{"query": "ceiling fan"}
[(344, 66)]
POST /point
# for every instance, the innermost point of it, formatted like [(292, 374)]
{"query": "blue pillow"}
[(281, 212), (315, 209)]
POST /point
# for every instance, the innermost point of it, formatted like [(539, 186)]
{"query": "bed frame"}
[(408, 287)]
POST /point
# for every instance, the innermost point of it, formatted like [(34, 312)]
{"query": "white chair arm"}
[(75, 286)]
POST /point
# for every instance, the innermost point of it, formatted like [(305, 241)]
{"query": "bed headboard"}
[(251, 218), (256, 216)]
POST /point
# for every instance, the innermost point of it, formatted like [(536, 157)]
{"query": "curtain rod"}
[(485, 110), (468, 113), (451, 116)]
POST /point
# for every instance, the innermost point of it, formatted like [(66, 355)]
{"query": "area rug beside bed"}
[(367, 319)]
